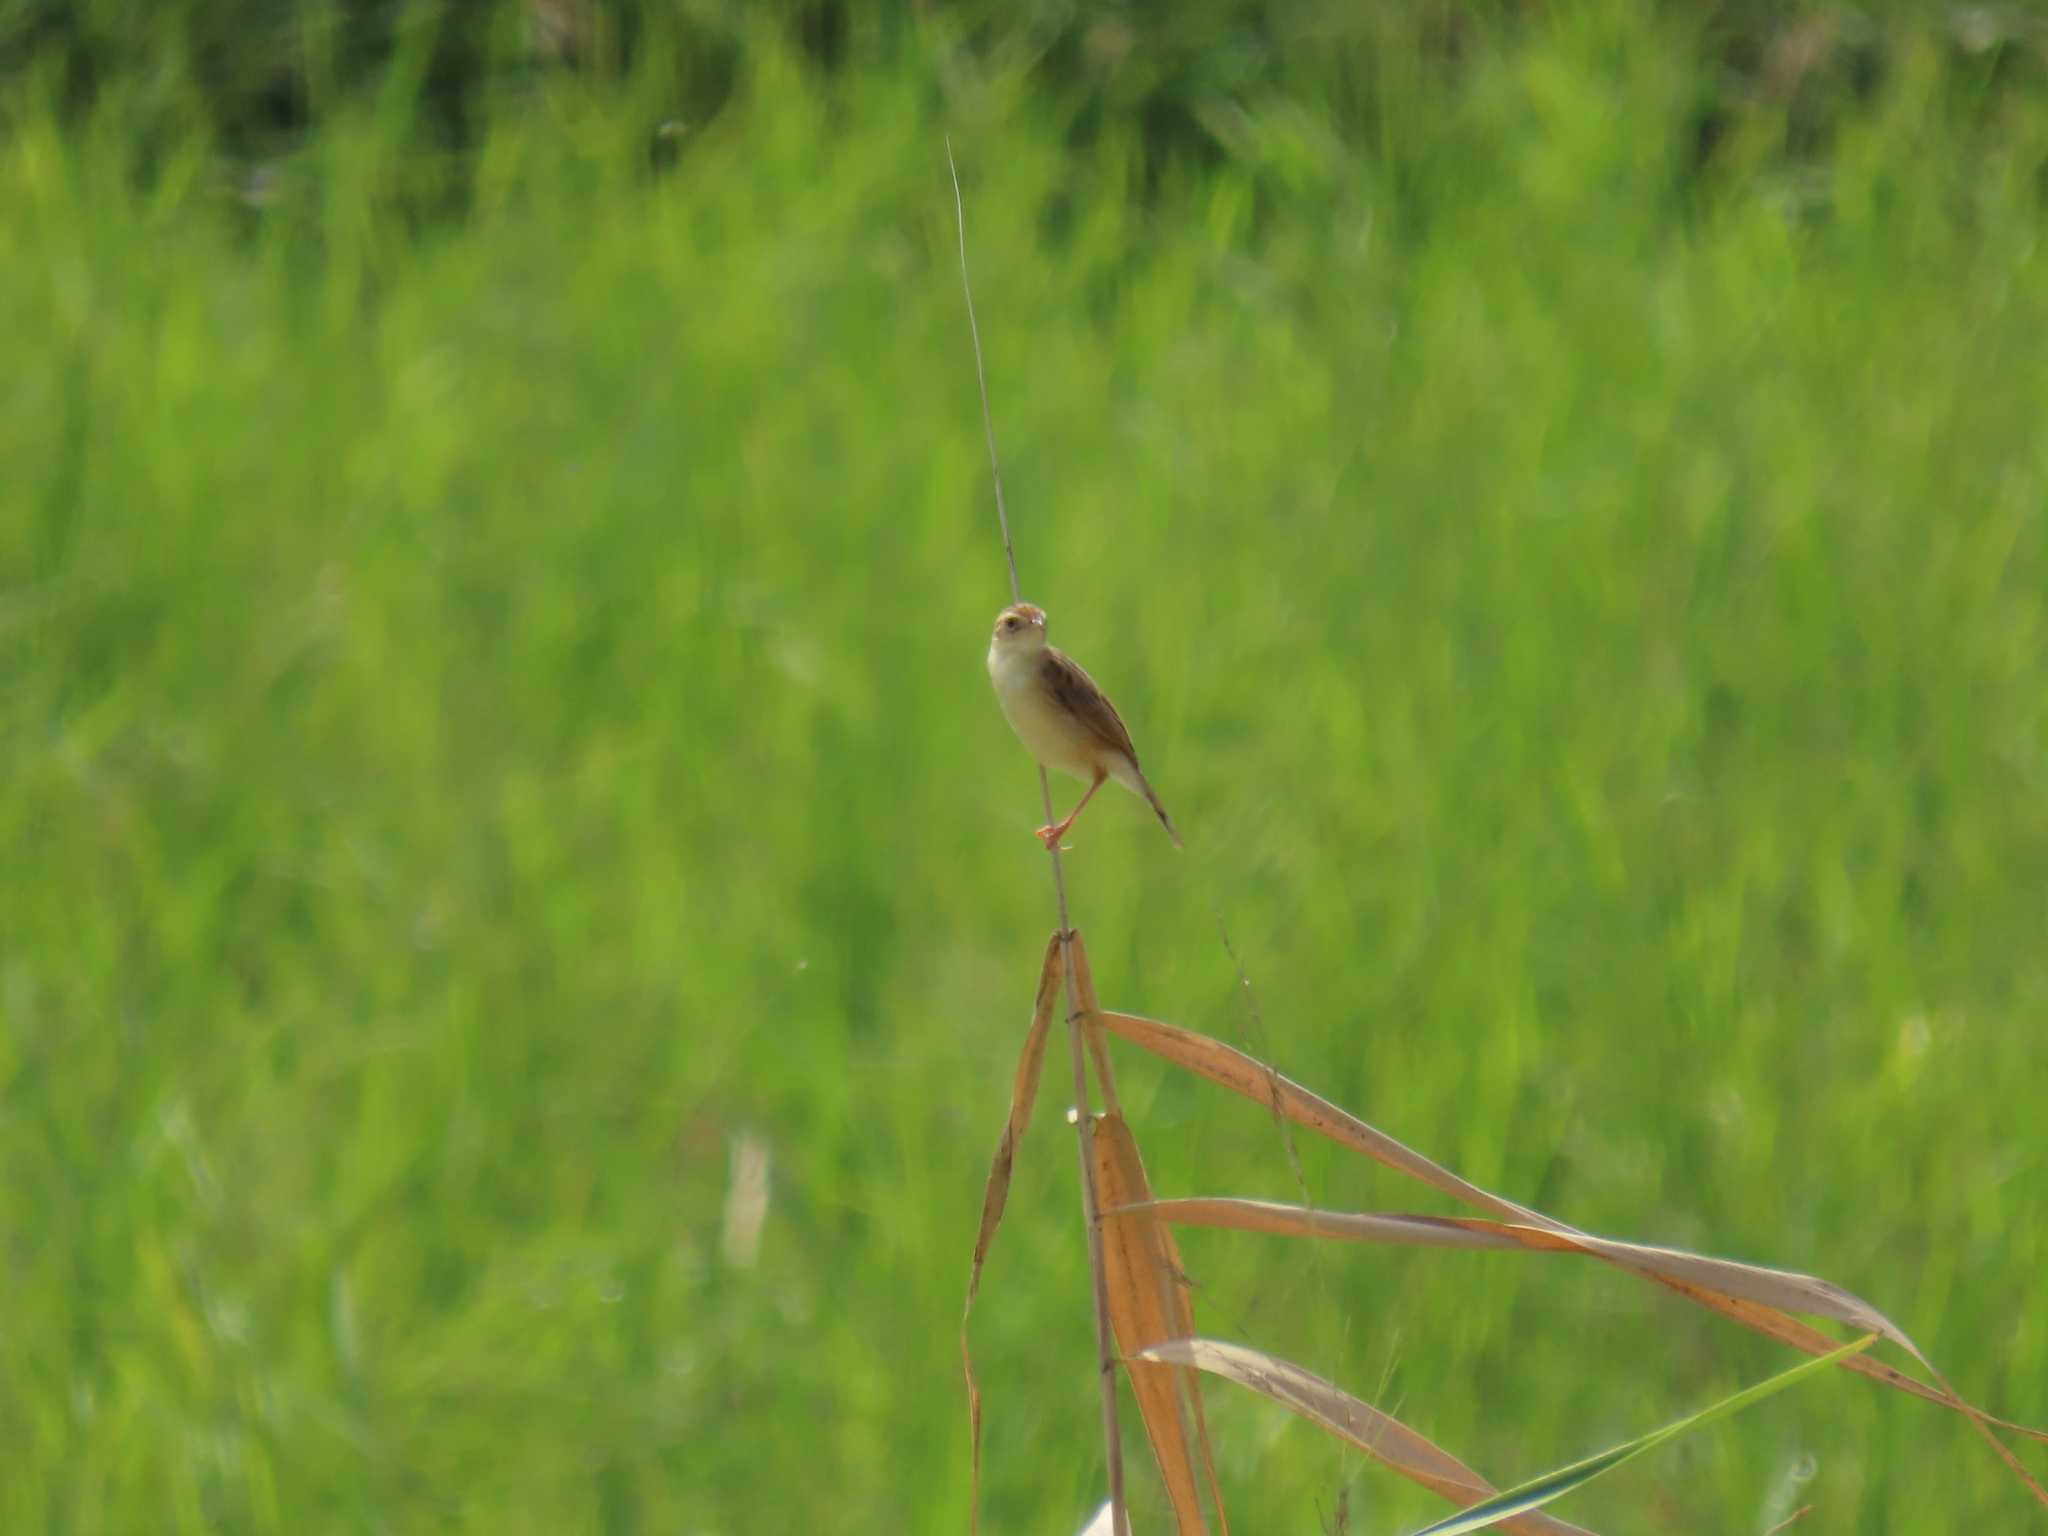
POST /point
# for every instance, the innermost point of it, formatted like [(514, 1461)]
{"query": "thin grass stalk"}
[(1084, 1119)]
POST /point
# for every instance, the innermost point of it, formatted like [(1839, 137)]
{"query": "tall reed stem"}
[(1084, 1118)]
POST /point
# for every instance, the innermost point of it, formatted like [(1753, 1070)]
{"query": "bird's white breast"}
[(1047, 731)]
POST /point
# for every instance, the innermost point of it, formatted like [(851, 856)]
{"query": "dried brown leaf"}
[(1377, 1434), (1233, 1069), (1148, 1304), (1730, 1277), (1023, 1096)]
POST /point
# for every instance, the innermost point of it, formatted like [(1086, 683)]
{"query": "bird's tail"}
[(1159, 810)]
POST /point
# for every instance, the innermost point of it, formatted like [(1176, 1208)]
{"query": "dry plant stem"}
[(1090, 1008), (1084, 1124), (1091, 1206)]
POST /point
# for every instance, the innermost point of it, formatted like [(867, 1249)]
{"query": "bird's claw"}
[(1051, 835)]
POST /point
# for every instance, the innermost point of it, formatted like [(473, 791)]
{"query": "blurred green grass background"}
[(491, 686)]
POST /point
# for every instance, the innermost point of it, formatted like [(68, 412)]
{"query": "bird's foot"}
[(1051, 835)]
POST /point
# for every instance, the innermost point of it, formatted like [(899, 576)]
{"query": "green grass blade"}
[(1539, 1491)]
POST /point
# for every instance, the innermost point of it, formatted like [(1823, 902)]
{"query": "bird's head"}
[(1020, 628)]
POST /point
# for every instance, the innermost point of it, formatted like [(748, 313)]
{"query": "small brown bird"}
[(1062, 718)]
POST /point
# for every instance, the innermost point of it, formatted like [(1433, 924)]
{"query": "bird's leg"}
[(1051, 835)]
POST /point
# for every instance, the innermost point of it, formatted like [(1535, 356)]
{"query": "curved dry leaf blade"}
[(1279, 1219), (1538, 1491), (1231, 1068), (1348, 1418), (1148, 1303), (1023, 1095), (1780, 1288), (1785, 1289)]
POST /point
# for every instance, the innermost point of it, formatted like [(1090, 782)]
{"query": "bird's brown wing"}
[(1076, 693)]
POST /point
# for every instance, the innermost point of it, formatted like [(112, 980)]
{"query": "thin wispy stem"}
[(1084, 1121)]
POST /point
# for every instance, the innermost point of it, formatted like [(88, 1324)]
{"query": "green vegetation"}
[(493, 713)]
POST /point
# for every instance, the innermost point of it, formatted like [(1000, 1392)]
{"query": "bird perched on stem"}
[(1062, 718)]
